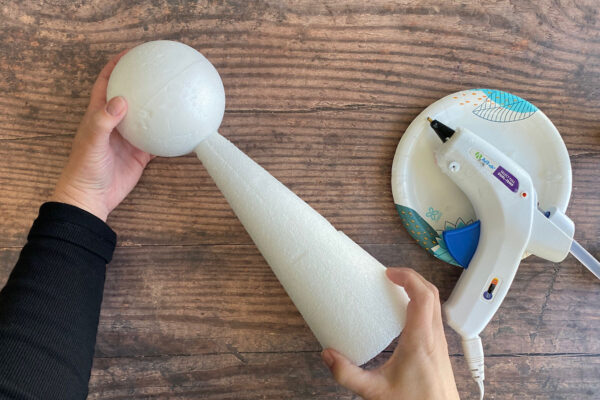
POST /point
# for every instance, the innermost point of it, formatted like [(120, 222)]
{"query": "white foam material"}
[(340, 289), (175, 97), (176, 100)]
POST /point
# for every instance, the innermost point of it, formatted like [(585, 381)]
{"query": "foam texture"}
[(340, 289), (175, 97)]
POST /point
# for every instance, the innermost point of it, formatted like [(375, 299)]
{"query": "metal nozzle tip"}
[(429, 119)]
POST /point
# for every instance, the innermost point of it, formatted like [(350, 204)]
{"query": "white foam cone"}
[(340, 289)]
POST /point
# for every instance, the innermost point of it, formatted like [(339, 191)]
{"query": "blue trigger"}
[(462, 242)]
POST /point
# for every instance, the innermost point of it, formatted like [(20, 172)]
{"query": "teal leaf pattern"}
[(503, 107), (442, 252), (424, 234)]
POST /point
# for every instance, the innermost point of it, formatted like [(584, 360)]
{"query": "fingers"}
[(423, 298), (350, 376), (98, 96), (102, 122), (438, 325)]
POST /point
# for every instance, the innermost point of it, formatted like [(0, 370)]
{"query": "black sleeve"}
[(50, 306)]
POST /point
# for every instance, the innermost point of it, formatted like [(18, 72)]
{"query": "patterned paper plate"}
[(429, 202)]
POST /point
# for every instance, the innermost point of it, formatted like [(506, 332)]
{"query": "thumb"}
[(350, 376), (104, 120)]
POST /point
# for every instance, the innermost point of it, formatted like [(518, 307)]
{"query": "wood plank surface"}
[(303, 376), (319, 93)]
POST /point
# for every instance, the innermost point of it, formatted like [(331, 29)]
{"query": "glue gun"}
[(509, 225)]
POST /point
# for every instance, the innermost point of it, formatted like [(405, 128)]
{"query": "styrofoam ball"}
[(175, 96)]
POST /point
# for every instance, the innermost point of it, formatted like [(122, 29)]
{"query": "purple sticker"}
[(507, 178)]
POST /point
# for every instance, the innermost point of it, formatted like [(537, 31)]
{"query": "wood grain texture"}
[(319, 93), (303, 376)]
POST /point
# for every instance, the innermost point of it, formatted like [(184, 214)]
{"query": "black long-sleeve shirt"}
[(50, 306)]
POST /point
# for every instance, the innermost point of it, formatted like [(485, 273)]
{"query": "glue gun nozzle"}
[(443, 132)]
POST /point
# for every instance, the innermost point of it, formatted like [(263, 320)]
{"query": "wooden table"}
[(319, 93)]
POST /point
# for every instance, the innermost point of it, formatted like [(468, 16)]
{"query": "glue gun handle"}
[(482, 287)]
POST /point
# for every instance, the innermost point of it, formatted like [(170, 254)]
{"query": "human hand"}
[(420, 366), (103, 167)]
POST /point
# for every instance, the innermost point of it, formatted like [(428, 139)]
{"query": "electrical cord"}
[(473, 350)]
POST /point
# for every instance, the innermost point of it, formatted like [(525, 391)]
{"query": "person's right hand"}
[(420, 366)]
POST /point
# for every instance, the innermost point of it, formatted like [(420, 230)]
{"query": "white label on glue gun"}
[(508, 179)]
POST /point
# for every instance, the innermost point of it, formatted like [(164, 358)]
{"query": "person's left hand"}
[(103, 167)]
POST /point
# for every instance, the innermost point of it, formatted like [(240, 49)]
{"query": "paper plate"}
[(429, 202)]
